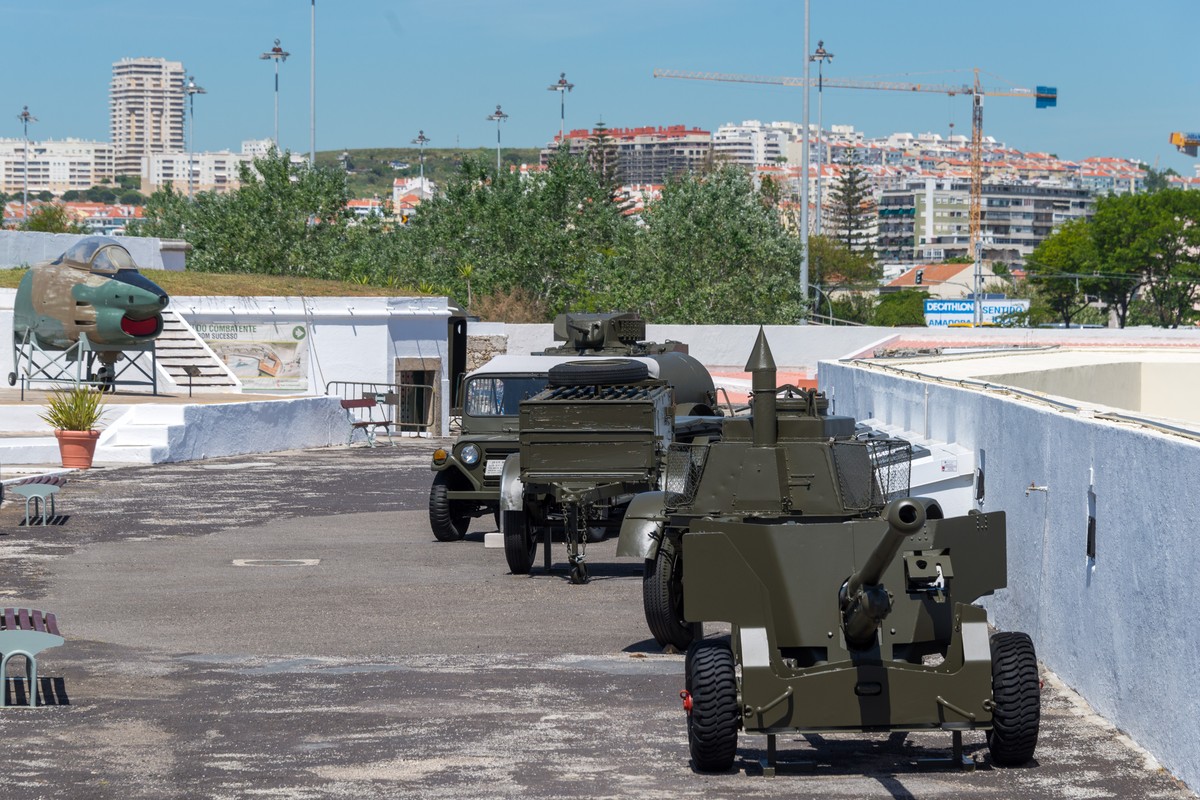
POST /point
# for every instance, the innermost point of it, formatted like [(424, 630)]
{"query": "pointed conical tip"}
[(760, 356)]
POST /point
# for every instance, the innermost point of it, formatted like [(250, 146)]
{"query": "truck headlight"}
[(469, 455)]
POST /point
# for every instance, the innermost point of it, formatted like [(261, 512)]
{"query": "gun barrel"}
[(864, 602)]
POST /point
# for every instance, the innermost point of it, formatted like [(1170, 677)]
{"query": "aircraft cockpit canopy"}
[(100, 254)]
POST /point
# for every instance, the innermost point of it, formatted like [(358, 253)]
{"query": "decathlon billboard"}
[(940, 313)]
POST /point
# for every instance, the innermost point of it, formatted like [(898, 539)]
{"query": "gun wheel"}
[(520, 546), (447, 519), (714, 719), (1016, 692), (662, 598)]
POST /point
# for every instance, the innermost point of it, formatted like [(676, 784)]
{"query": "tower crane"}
[(1186, 142), (1043, 96)]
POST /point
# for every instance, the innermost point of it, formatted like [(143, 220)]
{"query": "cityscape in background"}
[(919, 183)]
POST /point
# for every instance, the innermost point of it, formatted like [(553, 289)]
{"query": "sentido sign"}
[(940, 313)]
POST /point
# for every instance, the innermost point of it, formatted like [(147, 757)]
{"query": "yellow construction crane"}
[(1043, 96), (1186, 142)]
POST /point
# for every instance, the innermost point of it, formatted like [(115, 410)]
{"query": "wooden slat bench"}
[(370, 425), (25, 632)]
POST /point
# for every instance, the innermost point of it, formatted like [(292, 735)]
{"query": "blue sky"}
[(1127, 74)]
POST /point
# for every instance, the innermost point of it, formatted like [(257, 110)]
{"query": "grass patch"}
[(212, 284)]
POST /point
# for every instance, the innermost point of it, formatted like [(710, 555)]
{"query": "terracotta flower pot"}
[(77, 448)]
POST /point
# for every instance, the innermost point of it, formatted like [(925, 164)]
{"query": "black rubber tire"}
[(520, 545), (662, 598), (1016, 691), (598, 372), (446, 520), (714, 721), (596, 534), (12, 379)]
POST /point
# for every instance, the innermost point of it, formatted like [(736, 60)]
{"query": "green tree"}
[(905, 307), (1156, 181), (712, 252), (1055, 266), (602, 156), (1122, 251), (1172, 271), (851, 205), (51, 218), (832, 263)]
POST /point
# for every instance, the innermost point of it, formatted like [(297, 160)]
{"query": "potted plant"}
[(73, 413)]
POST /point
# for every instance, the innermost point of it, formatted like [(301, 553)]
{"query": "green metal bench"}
[(25, 632)]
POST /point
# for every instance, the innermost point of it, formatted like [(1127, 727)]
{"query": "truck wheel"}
[(713, 721), (520, 546), (598, 372), (447, 520), (1016, 692), (662, 598)]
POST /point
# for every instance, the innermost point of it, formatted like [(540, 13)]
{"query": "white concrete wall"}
[(26, 248), (230, 429), (1121, 629)]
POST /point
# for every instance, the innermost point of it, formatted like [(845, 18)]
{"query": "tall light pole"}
[(499, 116), (191, 90), (276, 54), (25, 118), (420, 142), (804, 172), (562, 87), (312, 90), (821, 55)]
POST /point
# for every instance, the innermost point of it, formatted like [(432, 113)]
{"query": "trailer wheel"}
[(713, 721), (598, 372), (447, 519), (662, 598), (1017, 694), (520, 546)]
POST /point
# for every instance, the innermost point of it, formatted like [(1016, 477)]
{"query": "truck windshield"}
[(500, 396)]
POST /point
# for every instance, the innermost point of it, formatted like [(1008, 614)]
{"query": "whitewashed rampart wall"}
[(1122, 629)]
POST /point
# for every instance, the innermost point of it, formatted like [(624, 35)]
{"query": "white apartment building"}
[(54, 166), (147, 105), (210, 171), (754, 144)]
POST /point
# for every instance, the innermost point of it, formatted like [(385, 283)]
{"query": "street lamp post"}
[(499, 116), (191, 90), (276, 54), (312, 90), (25, 118), (804, 170), (820, 56), (420, 142), (562, 87)]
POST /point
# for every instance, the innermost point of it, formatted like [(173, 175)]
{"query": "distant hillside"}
[(372, 170)]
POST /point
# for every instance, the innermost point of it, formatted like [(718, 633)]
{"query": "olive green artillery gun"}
[(850, 603)]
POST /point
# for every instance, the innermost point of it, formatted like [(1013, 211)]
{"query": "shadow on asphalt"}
[(51, 692)]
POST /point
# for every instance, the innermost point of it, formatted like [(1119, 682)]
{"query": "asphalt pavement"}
[(286, 626)]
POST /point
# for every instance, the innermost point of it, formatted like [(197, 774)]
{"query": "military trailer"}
[(589, 443), (466, 481), (850, 603)]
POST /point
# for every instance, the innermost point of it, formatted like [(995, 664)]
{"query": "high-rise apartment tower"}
[(147, 106)]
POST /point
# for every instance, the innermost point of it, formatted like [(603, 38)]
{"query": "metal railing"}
[(407, 406)]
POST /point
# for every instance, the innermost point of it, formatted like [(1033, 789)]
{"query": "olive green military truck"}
[(466, 481), (591, 441), (850, 603)]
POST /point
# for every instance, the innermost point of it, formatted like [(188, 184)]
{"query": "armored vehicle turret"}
[(467, 475), (850, 603)]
